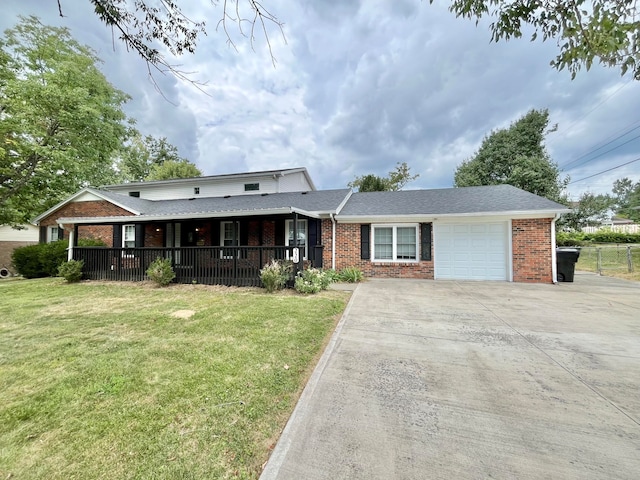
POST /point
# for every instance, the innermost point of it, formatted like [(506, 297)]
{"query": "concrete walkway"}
[(458, 380)]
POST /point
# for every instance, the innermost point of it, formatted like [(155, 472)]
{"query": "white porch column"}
[(71, 242)]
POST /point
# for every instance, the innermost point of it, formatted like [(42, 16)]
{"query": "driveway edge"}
[(279, 453)]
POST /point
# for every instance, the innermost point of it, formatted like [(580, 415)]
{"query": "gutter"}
[(554, 265), (333, 241)]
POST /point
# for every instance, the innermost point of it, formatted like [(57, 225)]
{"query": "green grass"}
[(99, 380), (613, 261)]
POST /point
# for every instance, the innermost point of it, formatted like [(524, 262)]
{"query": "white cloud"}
[(359, 86)]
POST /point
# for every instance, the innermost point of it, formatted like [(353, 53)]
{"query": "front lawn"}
[(117, 380)]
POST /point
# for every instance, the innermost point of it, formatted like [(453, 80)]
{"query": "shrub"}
[(569, 239), (161, 272), (311, 280), (71, 271), (44, 259), (26, 261), (351, 275), (274, 275), (331, 275), (52, 255)]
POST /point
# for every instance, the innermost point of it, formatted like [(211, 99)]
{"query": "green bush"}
[(52, 255), (161, 272), (44, 259), (351, 275), (26, 261), (331, 275), (311, 280), (569, 239), (274, 275), (71, 271)]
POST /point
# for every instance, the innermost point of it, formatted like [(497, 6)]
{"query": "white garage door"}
[(471, 251)]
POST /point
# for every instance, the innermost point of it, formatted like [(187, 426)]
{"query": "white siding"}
[(30, 234), (295, 182)]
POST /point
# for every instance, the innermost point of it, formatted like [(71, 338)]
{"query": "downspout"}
[(554, 266), (333, 241)]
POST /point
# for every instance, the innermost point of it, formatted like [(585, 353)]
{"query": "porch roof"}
[(312, 204)]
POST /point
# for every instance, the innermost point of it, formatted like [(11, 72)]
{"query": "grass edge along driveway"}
[(103, 380)]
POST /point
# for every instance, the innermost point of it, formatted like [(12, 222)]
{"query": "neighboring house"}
[(223, 229), (11, 238), (616, 224)]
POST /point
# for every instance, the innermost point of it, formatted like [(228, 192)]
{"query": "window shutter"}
[(117, 236), (43, 234), (279, 237), (425, 241), (60, 233), (215, 234), (139, 235), (244, 233), (365, 242), (313, 224)]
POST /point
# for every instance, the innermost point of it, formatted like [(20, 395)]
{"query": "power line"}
[(595, 149), (605, 171), (604, 153), (564, 132)]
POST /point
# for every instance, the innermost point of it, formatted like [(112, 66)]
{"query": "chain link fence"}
[(609, 258)]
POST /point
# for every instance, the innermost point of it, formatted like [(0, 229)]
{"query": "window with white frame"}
[(302, 235), (395, 243), (128, 236), (229, 237), (53, 234)]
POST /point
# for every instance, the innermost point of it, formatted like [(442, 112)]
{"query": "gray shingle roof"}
[(448, 201), (324, 201)]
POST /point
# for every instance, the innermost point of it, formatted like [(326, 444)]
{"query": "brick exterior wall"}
[(96, 208), (348, 255), (532, 244), (6, 249)]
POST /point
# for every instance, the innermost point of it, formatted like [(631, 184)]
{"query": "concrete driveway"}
[(456, 380)]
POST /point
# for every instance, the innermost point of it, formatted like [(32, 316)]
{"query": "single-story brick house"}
[(224, 228)]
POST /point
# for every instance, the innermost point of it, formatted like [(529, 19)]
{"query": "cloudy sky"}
[(359, 86)]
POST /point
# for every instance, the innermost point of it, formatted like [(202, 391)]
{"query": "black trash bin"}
[(566, 259)]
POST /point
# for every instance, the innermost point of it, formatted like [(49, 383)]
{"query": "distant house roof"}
[(465, 201), (313, 203)]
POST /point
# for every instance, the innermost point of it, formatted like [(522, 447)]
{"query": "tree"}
[(171, 169), (627, 198), (516, 156), (142, 154), (607, 31), (591, 210), (396, 180), (142, 25), (61, 121)]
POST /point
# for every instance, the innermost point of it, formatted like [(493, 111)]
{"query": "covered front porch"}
[(213, 251)]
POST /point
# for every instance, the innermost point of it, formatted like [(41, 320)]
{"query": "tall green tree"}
[(516, 156), (171, 169), (142, 155), (396, 180), (604, 31), (61, 121), (627, 198), (590, 210)]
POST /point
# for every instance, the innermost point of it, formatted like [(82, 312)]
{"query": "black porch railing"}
[(237, 266)]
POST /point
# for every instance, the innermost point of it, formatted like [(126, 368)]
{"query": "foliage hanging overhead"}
[(605, 31)]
